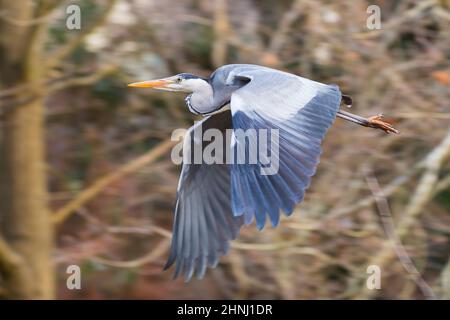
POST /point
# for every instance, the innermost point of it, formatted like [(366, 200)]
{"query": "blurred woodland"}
[(86, 176)]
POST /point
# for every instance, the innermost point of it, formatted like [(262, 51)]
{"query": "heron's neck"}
[(202, 99)]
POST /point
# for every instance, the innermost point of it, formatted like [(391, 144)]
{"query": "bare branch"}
[(388, 190), (140, 230), (100, 184), (394, 23), (81, 81), (422, 195), (427, 183), (152, 256), (56, 57), (53, 85), (44, 16), (394, 240), (433, 159), (221, 31), (265, 246), (9, 259), (12, 91), (289, 18), (13, 267)]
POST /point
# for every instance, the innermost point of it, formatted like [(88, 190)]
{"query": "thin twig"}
[(57, 56), (100, 184), (287, 20), (388, 190), (56, 84), (422, 195), (435, 157), (28, 22), (148, 230), (83, 80), (394, 239), (265, 246), (152, 256)]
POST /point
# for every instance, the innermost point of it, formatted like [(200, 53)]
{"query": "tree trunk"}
[(26, 217), (27, 220)]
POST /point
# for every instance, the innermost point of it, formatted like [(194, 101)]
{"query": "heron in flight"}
[(215, 200)]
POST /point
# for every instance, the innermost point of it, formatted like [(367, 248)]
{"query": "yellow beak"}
[(150, 84)]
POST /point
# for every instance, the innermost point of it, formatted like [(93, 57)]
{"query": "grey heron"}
[(215, 200)]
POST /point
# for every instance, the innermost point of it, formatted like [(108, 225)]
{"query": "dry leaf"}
[(442, 77)]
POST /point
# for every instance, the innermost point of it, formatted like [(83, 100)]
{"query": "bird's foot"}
[(378, 123)]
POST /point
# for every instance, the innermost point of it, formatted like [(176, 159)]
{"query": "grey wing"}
[(301, 111), (204, 223)]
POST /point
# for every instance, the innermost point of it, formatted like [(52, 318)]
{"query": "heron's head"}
[(183, 82)]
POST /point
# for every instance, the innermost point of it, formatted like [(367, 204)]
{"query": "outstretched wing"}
[(204, 223), (300, 111)]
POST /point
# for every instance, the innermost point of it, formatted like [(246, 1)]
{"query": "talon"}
[(376, 122)]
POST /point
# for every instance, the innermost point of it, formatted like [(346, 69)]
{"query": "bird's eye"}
[(179, 80)]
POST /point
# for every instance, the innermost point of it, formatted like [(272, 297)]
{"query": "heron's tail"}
[(347, 100)]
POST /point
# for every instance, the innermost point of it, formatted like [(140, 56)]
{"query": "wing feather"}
[(302, 111), (204, 223), (214, 201)]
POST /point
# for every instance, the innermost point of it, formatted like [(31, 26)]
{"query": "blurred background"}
[(86, 177)]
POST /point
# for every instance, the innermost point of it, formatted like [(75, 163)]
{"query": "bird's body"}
[(214, 200), (215, 92)]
